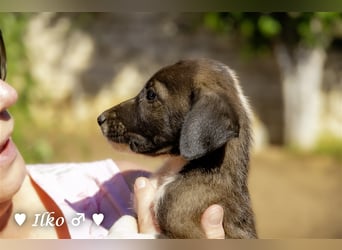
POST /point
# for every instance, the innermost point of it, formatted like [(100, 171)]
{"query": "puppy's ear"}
[(210, 123)]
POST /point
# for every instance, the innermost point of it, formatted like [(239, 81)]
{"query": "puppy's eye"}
[(151, 95)]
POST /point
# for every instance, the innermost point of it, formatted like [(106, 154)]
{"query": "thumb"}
[(211, 221), (144, 195)]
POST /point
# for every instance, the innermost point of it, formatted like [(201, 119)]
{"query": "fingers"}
[(144, 195), (126, 225), (211, 221), (129, 227)]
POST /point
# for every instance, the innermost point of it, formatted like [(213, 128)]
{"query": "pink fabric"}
[(94, 187)]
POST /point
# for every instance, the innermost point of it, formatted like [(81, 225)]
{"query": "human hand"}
[(146, 227)]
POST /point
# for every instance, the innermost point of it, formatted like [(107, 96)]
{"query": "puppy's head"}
[(190, 108)]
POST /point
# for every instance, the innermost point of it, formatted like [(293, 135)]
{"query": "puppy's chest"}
[(169, 169), (165, 175)]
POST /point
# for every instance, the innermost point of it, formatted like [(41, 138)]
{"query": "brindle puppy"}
[(193, 110)]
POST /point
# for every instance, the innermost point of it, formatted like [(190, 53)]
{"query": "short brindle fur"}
[(195, 110)]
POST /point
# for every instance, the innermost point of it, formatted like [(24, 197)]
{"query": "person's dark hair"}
[(2, 58)]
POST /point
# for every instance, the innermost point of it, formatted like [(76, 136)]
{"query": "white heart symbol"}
[(98, 218), (20, 218)]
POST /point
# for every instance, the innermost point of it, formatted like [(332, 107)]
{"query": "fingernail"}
[(216, 216), (140, 183)]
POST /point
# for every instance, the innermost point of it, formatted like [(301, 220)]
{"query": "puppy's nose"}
[(101, 119)]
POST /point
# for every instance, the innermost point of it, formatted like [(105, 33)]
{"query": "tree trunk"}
[(302, 72)]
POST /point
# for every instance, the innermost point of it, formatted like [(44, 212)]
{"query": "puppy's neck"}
[(172, 166)]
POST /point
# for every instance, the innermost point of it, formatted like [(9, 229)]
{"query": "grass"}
[(329, 145)]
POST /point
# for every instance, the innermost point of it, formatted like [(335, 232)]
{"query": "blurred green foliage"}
[(13, 26), (329, 145), (260, 31)]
